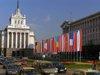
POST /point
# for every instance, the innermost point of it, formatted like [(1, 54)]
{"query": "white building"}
[(17, 39)]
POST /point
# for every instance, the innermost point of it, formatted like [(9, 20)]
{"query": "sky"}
[(44, 17)]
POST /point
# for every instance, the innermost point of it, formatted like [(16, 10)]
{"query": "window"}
[(15, 21), (93, 30), (18, 21), (21, 22)]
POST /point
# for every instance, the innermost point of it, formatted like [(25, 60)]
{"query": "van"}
[(46, 68)]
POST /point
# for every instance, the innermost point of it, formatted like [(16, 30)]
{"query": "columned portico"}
[(20, 39), (16, 41), (24, 40), (11, 39), (7, 39)]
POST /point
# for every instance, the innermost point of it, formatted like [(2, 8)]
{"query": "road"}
[(69, 71)]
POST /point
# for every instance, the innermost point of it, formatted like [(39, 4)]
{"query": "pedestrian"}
[(94, 65)]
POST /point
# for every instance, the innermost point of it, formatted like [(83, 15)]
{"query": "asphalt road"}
[(69, 71)]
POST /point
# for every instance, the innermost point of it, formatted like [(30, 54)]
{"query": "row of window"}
[(94, 42), (89, 36), (91, 30), (18, 22), (86, 24)]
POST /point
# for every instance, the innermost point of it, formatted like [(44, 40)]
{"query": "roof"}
[(25, 68), (84, 18), (44, 61), (89, 70)]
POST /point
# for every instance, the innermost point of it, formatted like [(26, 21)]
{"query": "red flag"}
[(52, 44), (60, 43), (65, 43), (40, 46), (75, 41)]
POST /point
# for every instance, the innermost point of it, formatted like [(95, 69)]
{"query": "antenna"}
[(70, 16)]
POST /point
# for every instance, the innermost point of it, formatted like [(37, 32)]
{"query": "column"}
[(16, 41), (24, 39), (7, 39), (12, 40), (20, 39), (28, 41)]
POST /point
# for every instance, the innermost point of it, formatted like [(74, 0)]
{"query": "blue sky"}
[(46, 16)]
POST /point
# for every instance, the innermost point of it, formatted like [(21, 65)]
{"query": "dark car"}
[(61, 67), (5, 64), (12, 69), (2, 61), (29, 71)]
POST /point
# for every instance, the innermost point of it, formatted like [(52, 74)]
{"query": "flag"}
[(48, 45), (52, 44), (75, 41), (65, 43), (35, 47), (57, 44), (71, 42), (68, 42), (80, 40), (45, 46), (40, 47), (60, 44)]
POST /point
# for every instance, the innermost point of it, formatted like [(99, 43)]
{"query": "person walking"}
[(94, 65)]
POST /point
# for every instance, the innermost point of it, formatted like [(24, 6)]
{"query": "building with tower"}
[(17, 39)]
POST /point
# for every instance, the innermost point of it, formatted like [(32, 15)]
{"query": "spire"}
[(17, 10), (17, 3)]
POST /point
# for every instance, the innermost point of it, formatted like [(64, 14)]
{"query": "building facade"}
[(17, 39), (90, 27)]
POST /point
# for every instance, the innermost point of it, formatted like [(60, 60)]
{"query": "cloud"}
[(33, 26), (48, 18)]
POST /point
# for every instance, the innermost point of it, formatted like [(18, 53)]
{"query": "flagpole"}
[(80, 55), (71, 56), (74, 56), (77, 56), (68, 56)]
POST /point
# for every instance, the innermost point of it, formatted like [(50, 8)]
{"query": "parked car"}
[(34, 63), (60, 67), (29, 71), (86, 72), (12, 69), (6, 64), (46, 68), (2, 61), (23, 62), (18, 62)]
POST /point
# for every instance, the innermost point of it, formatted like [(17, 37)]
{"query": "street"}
[(69, 71)]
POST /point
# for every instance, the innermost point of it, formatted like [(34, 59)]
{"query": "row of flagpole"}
[(70, 42)]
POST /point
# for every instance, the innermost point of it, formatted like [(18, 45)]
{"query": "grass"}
[(78, 66)]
